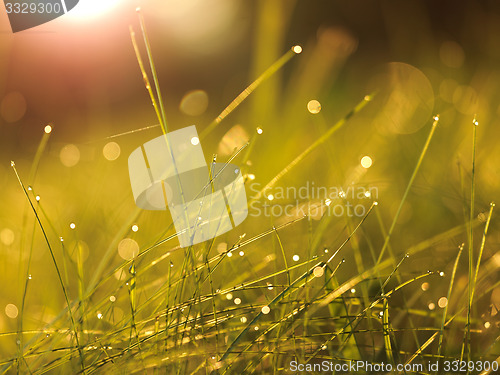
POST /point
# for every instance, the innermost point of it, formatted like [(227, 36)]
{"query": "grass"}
[(356, 292)]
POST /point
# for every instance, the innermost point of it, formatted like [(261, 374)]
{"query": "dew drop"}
[(366, 162), (442, 302), (314, 107), (318, 271), (131, 270)]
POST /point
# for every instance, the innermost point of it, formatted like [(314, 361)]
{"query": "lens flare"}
[(86, 9)]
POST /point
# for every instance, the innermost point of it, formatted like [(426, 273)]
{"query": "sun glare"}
[(92, 8)]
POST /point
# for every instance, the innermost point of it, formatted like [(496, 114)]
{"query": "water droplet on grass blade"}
[(318, 271)]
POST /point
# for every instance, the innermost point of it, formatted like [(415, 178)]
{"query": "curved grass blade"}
[(245, 93), (445, 311), (312, 147), (408, 187), (75, 332)]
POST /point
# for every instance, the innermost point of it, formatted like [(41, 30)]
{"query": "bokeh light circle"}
[(7, 236), (128, 248), (11, 311), (111, 151), (194, 103), (405, 99), (234, 139), (69, 155), (451, 54)]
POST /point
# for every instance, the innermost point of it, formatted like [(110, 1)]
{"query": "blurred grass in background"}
[(181, 310)]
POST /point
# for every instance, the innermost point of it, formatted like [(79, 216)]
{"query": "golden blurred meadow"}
[(366, 132)]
